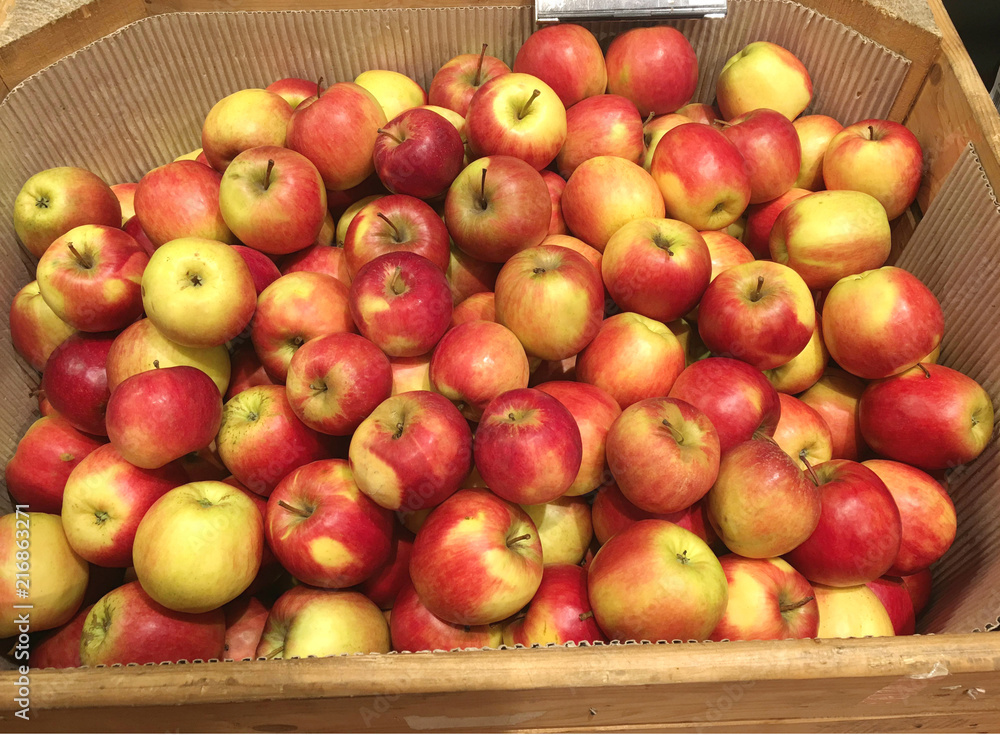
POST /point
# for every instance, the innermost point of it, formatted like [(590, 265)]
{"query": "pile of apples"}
[(559, 357)]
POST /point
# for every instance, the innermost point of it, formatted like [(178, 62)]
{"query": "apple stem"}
[(293, 509), (395, 232), (586, 616), (383, 131), (84, 261), (513, 541), (678, 437), (871, 132), (927, 373), (395, 284), (156, 364), (274, 653), (809, 468), (267, 173), (482, 191), (649, 117), (722, 123), (796, 605), (33, 393), (317, 388), (755, 296), (479, 69), (511, 416), (524, 108), (319, 85)]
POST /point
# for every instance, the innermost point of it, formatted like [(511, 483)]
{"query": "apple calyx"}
[(755, 296), (395, 230), (586, 616), (67, 457), (476, 80), (524, 108), (42, 202), (292, 509), (789, 606), (809, 468), (523, 537), (267, 173), (101, 517), (483, 204), (194, 278), (399, 430), (683, 557), (84, 261), (678, 437), (927, 373), (318, 388), (383, 131)]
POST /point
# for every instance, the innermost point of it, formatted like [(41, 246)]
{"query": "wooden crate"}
[(947, 682)]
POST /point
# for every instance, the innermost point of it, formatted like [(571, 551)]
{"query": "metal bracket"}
[(571, 11)]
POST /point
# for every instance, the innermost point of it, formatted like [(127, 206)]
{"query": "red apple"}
[(593, 255), (59, 648), (329, 261), (765, 75), (262, 269), (181, 199), (384, 586), (478, 307), (248, 118), (802, 432), (919, 587), (815, 133), (568, 58), (761, 218), (892, 593), (393, 224), (835, 396), (410, 373), (556, 184), (726, 251), (604, 125), (700, 113), (418, 153), (559, 613), (247, 371), (35, 330), (76, 381), (653, 131), (245, 620), (293, 91), (459, 79), (612, 513), (770, 146), (654, 67), (415, 628)]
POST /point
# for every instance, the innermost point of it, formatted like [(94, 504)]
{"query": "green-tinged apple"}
[(656, 267), (762, 504), (631, 357), (58, 575), (556, 185), (881, 322), (395, 92), (702, 177), (528, 447), (815, 133), (764, 75), (324, 530), (659, 437), (606, 192), (657, 581), (250, 118), (516, 115), (199, 546), (35, 330), (930, 416), (768, 600), (802, 433), (104, 500), (851, 612), (926, 513), (396, 223), (612, 513), (653, 130), (496, 207), (835, 395), (273, 200), (491, 545), (565, 528), (197, 292), (415, 628), (879, 157), (293, 91), (559, 613), (828, 235), (654, 67), (410, 374), (418, 153), (246, 617), (475, 362), (546, 280), (181, 199), (54, 201), (478, 307), (604, 125), (770, 146), (335, 381), (90, 278), (802, 371), (412, 452), (568, 58), (75, 381), (761, 218), (460, 78)]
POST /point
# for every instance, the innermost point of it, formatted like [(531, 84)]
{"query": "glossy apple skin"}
[(497, 556), (604, 193), (761, 218), (828, 235), (851, 612), (245, 620), (56, 200), (815, 133), (926, 512), (612, 513), (550, 280), (104, 501), (75, 381), (247, 371), (336, 536), (181, 199), (919, 587), (654, 67), (294, 90), (700, 113), (344, 160), (99, 292), (594, 410), (35, 330), (762, 505), (642, 449), (60, 647), (565, 528), (568, 58), (249, 118), (604, 125), (134, 228), (593, 256), (556, 184), (413, 227), (631, 358), (879, 157), (127, 626), (805, 369), (934, 420), (261, 440), (528, 447), (657, 581), (495, 125), (559, 613), (892, 593), (294, 309), (735, 396), (859, 529), (468, 276), (654, 130), (765, 75), (418, 153), (656, 267), (702, 176), (424, 464), (516, 215), (475, 362), (410, 373), (861, 311), (768, 600), (45, 456), (761, 312), (262, 269), (396, 93), (415, 628), (478, 307), (334, 382), (835, 396), (725, 251), (770, 146), (276, 212), (460, 78), (402, 303), (802, 432), (325, 259), (385, 584), (125, 193)]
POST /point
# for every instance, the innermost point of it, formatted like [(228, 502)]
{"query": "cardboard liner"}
[(955, 250)]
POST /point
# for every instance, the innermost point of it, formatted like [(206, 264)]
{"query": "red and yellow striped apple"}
[(835, 396), (802, 432), (603, 125), (559, 613), (767, 75), (396, 223), (654, 67), (815, 133), (460, 78), (181, 199), (568, 58), (35, 330)]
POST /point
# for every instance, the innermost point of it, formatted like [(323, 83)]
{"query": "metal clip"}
[(571, 11)]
